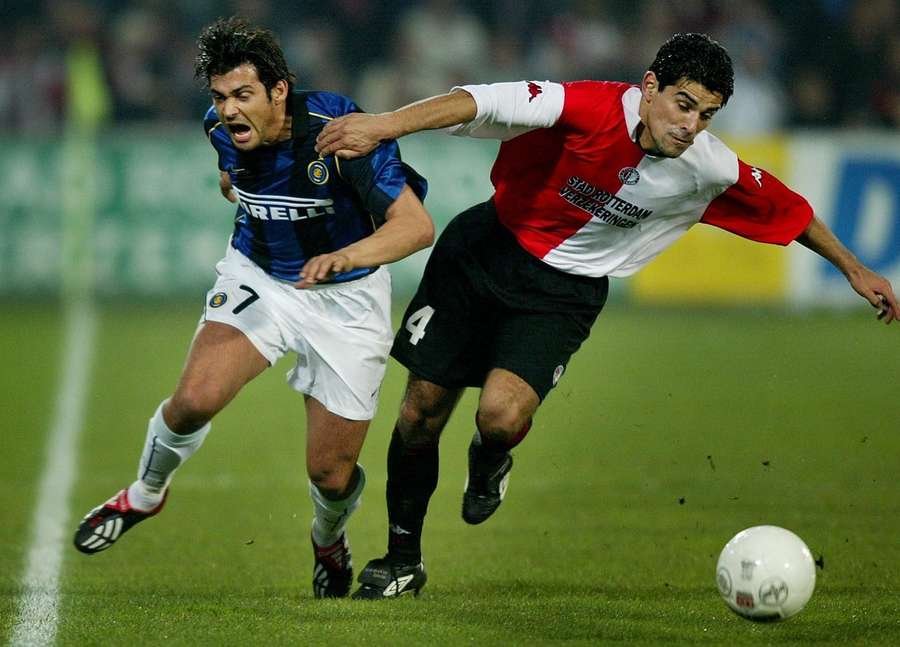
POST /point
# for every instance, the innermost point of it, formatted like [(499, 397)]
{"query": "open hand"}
[(323, 267), (350, 136), (876, 290)]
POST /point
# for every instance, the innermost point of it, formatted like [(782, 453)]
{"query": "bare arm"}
[(356, 134), (871, 286), (407, 229), (225, 187)]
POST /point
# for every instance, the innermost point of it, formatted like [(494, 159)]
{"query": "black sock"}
[(412, 479), (489, 449)]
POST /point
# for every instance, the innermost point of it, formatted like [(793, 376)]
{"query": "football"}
[(766, 573)]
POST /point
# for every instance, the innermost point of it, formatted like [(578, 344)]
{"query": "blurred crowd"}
[(804, 63)]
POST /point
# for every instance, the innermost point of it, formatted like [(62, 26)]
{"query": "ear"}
[(279, 92), (649, 86)]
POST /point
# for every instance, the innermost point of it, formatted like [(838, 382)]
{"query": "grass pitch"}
[(671, 431)]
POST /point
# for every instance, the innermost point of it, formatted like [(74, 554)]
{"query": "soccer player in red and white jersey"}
[(592, 180)]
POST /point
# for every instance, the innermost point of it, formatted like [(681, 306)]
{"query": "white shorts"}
[(340, 332)]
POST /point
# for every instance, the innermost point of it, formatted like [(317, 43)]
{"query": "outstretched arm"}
[(407, 229), (871, 286), (356, 134)]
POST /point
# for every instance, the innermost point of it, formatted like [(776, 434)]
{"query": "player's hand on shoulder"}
[(878, 291), (323, 267), (225, 187), (350, 136)]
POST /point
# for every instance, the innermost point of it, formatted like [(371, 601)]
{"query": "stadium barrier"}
[(160, 224)]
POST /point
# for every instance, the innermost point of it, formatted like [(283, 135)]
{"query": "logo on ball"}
[(723, 579), (773, 592), (747, 568), (744, 600)]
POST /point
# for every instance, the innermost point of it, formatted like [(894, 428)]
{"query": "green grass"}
[(671, 431)]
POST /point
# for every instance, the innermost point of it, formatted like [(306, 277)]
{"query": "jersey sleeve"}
[(759, 207), (591, 104), (329, 105), (213, 129), (379, 177), (210, 120), (507, 110)]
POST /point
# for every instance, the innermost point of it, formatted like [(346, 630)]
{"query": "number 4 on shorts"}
[(416, 323)]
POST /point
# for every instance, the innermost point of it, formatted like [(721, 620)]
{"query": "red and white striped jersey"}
[(577, 191)]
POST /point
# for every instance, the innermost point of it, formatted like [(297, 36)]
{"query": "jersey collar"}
[(299, 116), (631, 102)]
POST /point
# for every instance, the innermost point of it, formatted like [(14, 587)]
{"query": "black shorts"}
[(484, 302)]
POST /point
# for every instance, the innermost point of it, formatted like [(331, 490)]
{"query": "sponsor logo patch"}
[(218, 299), (317, 172)]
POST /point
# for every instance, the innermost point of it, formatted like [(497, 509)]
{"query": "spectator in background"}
[(812, 103), (315, 47), (385, 82), (583, 42), (32, 80), (754, 38), (445, 45), (832, 68), (362, 26), (862, 49), (887, 88), (805, 74), (139, 58)]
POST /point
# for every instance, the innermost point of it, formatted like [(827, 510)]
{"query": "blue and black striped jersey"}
[(293, 204)]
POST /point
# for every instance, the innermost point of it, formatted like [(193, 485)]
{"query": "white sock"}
[(331, 516), (164, 451)]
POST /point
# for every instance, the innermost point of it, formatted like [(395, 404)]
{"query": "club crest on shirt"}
[(317, 172), (218, 299), (533, 90), (629, 175)]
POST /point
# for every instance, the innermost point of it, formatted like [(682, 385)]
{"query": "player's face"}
[(251, 117), (674, 116)]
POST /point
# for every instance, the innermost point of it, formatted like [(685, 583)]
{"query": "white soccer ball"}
[(766, 573)]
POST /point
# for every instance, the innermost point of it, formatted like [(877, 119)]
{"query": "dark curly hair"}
[(230, 42), (696, 57)]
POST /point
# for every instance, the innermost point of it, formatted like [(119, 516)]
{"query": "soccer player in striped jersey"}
[(302, 273), (593, 179)]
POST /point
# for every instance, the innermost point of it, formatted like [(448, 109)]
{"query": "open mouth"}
[(240, 132)]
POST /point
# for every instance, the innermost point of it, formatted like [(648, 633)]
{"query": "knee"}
[(504, 422), (333, 479), (191, 407), (416, 423)]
